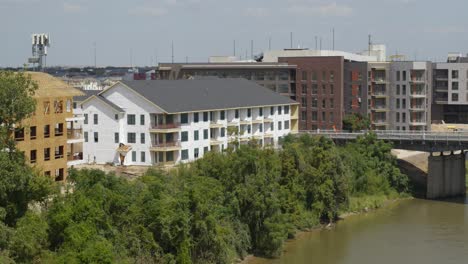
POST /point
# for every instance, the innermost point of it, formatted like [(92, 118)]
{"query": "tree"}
[(16, 104), (356, 122)]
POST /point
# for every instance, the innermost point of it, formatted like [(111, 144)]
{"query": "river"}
[(410, 231)]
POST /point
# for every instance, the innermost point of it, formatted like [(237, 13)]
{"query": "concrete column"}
[(446, 176)]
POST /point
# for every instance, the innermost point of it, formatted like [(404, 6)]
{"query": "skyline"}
[(423, 30)]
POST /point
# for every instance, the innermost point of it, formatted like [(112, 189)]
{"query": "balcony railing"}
[(165, 144), (166, 126), (74, 133), (58, 132), (75, 156)]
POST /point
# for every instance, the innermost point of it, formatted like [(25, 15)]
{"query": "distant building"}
[(167, 122), (49, 138)]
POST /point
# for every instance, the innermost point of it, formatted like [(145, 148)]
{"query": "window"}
[(116, 116), (196, 153), (59, 152), (249, 112), (58, 106), (398, 89), (455, 97), (314, 89), (314, 116), (236, 113), (142, 138), (304, 75), (205, 116), (286, 109), (260, 128), (142, 120), (195, 117), (260, 112), (131, 137), (454, 74), (314, 103), (184, 118), (32, 132), (59, 174), (95, 119), (46, 154), (33, 156), (96, 137), (304, 102), (332, 117), (206, 149), (314, 76), (222, 115), (403, 103), (280, 110), (286, 124), (332, 76), (304, 115), (223, 132), (272, 126), (58, 129), (272, 110), (249, 129), (116, 137), (85, 119), (403, 89), (212, 116), (195, 135), (143, 156), (184, 154), (279, 125), (398, 103), (131, 119), (134, 156), (324, 76), (323, 117), (332, 103), (303, 89), (85, 136), (205, 134), (332, 89), (184, 136), (397, 116), (46, 107), (403, 117), (403, 75), (324, 103), (398, 76), (455, 86), (324, 89)]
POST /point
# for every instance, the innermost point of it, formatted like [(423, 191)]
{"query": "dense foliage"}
[(356, 122), (215, 210)]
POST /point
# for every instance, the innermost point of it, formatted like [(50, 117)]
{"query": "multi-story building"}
[(450, 90), (319, 90), (171, 121), (379, 95), (49, 138), (411, 85), (278, 77)]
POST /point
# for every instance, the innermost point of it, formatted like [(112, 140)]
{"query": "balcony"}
[(214, 124), (165, 146), (257, 121), (441, 77), (417, 108), (165, 128), (441, 89), (75, 156), (268, 135), (245, 122), (232, 123), (417, 80), (441, 99), (417, 122), (74, 133), (216, 141), (379, 108), (379, 94), (268, 120), (379, 80), (418, 94)]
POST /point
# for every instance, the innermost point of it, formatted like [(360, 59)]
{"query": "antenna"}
[(172, 51), (291, 39), (94, 54), (320, 43), (370, 43), (234, 47), (251, 48), (333, 38), (40, 43), (316, 42)]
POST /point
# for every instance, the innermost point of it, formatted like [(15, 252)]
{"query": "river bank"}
[(358, 206)]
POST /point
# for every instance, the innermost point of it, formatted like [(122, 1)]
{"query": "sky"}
[(140, 32)]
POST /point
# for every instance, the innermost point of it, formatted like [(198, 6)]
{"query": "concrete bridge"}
[(446, 162)]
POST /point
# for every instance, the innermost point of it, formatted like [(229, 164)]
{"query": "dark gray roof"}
[(175, 96), (116, 107), (87, 94)]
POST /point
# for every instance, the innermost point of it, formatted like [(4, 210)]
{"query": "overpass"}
[(446, 167)]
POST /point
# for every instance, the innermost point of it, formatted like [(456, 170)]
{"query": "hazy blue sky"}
[(425, 29)]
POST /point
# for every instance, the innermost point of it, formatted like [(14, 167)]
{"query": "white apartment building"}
[(411, 96), (167, 122)]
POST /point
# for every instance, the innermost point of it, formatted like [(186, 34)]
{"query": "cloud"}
[(148, 11), (445, 30), (72, 8), (331, 9), (256, 12)]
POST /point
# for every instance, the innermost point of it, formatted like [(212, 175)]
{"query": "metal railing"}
[(165, 126), (165, 144), (74, 133)]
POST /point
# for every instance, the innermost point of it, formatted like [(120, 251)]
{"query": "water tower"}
[(40, 43)]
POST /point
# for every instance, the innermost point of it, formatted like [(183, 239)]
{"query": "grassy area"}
[(369, 202)]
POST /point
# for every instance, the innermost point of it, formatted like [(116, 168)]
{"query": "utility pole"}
[(320, 43), (370, 44), (251, 49), (316, 42)]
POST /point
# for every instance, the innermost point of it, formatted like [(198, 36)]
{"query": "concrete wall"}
[(446, 177)]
